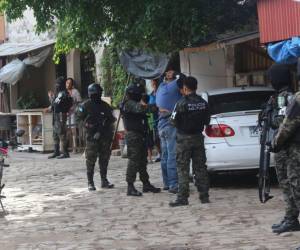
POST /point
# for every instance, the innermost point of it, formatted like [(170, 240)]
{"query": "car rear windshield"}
[(241, 101)]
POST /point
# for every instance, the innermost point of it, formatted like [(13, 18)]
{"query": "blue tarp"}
[(286, 52)]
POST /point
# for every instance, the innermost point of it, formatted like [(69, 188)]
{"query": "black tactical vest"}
[(62, 102), (194, 117), (96, 120), (134, 122)]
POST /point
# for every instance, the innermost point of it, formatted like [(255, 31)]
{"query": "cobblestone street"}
[(50, 208)]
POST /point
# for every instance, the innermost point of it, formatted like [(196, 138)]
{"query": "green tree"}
[(160, 25), (114, 77)]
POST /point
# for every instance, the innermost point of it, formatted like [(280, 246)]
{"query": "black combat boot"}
[(91, 185), (204, 198), (287, 226), (103, 173), (63, 156), (179, 202), (65, 153), (276, 225), (131, 191), (55, 153), (106, 184), (148, 187)]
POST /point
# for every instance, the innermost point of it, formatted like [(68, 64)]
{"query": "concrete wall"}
[(73, 67), (98, 51), (208, 67), (22, 30), (2, 28)]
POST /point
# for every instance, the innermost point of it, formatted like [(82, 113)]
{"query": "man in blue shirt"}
[(167, 96)]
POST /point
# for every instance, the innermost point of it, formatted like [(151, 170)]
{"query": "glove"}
[(96, 136)]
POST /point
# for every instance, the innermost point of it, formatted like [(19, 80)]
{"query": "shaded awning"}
[(224, 40), (12, 72), (14, 49)]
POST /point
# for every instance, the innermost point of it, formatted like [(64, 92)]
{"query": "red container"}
[(120, 136)]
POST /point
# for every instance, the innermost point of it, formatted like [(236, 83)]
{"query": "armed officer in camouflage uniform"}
[(190, 115), (61, 102), (98, 121), (135, 122), (285, 143)]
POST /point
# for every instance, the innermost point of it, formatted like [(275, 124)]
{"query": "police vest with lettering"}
[(194, 115)]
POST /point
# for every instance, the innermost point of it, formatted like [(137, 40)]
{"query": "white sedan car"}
[(231, 140)]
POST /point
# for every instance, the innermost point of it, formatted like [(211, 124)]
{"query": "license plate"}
[(254, 131)]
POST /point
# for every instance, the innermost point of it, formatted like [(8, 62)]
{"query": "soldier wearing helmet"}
[(98, 120), (286, 166), (135, 121), (61, 102)]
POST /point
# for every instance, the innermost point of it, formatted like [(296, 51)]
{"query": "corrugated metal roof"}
[(278, 19), (11, 49)]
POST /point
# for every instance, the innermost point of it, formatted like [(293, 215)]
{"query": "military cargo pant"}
[(137, 157), (98, 149), (281, 161), (293, 172), (60, 130), (191, 147)]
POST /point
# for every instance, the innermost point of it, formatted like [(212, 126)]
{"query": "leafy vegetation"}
[(165, 26), (28, 101), (114, 77)]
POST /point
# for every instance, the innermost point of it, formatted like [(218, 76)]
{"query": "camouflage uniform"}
[(288, 137), (281, 159), (191, 147), (189, 117), (59, 123), (97, 117), (137, 157), (60, 129), (134, 115), (136, 142)]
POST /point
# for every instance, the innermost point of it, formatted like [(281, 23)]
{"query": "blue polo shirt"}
[(167, 96)]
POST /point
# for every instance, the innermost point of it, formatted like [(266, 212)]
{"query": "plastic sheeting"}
[(144, 64), (286, 52), (12, 72)]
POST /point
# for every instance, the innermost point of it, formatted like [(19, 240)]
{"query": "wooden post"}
[(230, 65)]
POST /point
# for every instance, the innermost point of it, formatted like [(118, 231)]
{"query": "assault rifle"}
[(266, 137)]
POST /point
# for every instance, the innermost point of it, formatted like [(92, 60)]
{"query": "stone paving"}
[(50, 208)]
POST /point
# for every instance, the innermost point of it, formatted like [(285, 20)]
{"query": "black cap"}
[(60, 84), (135, 89), (280, 76)]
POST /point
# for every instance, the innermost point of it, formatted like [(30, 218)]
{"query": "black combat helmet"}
[(95, 89), (60, 84), (134, 91), (280, 76)]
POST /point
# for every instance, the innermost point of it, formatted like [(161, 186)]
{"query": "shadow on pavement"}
[(239, 179)]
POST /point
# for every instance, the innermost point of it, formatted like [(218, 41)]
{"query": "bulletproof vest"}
[(192, 120), (280, 103), (134, 122), (62, 102), (293, 112), (96, 120)]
